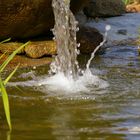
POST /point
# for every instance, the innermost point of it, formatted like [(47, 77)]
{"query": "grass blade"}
[(2, 56), (3, 83), (5, 103), (5, 40), (2, 67), (10, 76)]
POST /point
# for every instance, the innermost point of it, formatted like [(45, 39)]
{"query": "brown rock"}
[(104, 8), (89, 39), (28, 18), (38, 49), (133, 8), (10, 47), (25, 62)]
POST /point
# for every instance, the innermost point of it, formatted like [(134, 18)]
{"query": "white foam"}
[(134, 130), (59, 83)]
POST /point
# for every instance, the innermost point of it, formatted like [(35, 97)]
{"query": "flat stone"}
[(26, 62), (11, 47), (39, 49)]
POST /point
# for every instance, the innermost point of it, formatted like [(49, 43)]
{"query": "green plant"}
[(4, 82)]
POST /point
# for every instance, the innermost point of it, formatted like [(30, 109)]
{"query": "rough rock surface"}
[(8, 48), (88, 37), (28, 18), (40, 48), (35, 49), (104, 8), (133, 8), (25, 62)]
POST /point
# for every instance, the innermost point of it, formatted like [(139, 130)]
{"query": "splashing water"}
[(65, 74), (108, 27), (65, 36)]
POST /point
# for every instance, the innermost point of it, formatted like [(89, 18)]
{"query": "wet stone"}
[(39, 49), (28, 18), (122, 32), (89, 38), (10, 47)]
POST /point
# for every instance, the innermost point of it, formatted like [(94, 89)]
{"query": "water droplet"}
[(34, 67), (77, 29), (78, 52), (108, 27), (63, 27), (78, 45)]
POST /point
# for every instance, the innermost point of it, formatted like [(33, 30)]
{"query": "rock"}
[(104, 8), (133, 8), (28, 18), (89, 38), (122, 31), (25, 62), (35, 49), (10, 47), (38, 49), (81, 18)]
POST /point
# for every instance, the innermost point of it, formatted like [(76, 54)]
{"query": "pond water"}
[(110, 113)]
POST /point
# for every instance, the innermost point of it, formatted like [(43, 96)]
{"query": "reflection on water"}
[(8, 135), (110, 115)]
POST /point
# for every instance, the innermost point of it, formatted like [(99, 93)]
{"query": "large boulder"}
[(28, 18), (89, 38), (104, 8)]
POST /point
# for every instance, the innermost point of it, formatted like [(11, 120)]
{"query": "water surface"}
[(101, 114)]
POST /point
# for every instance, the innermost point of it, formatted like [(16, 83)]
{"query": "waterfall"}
[(65, 29)]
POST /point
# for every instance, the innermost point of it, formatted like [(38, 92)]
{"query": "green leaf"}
[(2, 56), (5, 103), (3, 83), (2, 67), (10, 76), (6, 40)]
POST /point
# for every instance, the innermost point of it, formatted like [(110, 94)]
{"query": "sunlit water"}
[(110, 113), (101, 104), (68, 76), (65, 74)]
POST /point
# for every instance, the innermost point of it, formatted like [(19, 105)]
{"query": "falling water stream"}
[(65, 73), (65, 36), (59, 106), (67, 47)]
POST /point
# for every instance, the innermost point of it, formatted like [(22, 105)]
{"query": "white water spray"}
[(65, 74), (65, 37)]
